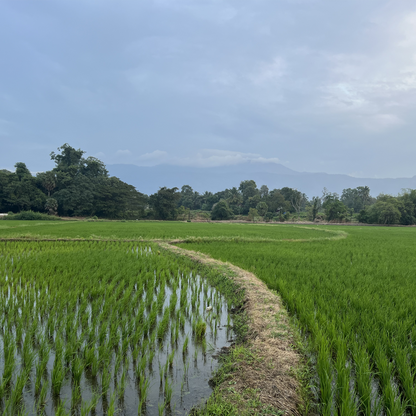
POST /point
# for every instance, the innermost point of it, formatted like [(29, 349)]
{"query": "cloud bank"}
[(326, 86)]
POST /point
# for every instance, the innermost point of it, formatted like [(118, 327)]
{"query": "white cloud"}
[(154, 158), (373, 87), (123, 152), (203, 158)]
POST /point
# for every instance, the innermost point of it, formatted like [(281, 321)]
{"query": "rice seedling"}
[(170, 358), (76, 397), (185, 345), (200, 329), (161, 408), (60, 410), (121, 385), (168, 393), (58, 376), (16, 397), (41, 402), (112, 406), (77, 370), (144, 390)]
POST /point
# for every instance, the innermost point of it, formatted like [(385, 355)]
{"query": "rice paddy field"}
[(150, 230), (106, 328), (350, 290)]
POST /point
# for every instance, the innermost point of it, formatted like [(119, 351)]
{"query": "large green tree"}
[(356, 198), (20, 191), (164, 203)]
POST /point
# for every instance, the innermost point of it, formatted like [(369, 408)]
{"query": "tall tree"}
[(164, 203)]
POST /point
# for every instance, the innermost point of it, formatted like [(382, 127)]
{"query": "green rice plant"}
[(89, 356), (16, 397), (407, 375), (77, 369), (392, 402), (170, 358), (363, 378), (105, 381), (186, 368), (200, 329), (76, 397), (69, 353), (121, 388), (153, 338), (182, 321), (143, 390), (325, 377), (19, 331), (41, 402), (135, 353), (60, 409), (141, 367), (112, 406), (150, 357), (168, 393), (58, 376), (88, 407), (9, 361), (95, 366), (152, 318), (345, 399), (104, 355), (28, 354), (161, 408)]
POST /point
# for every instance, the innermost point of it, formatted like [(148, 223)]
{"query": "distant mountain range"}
[(149, 179)]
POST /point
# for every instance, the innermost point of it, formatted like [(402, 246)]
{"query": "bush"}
[(31, 216)]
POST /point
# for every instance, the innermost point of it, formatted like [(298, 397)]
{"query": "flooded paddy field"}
[(107, 328)]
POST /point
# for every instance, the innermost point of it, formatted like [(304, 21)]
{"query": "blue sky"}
[(319, 86)]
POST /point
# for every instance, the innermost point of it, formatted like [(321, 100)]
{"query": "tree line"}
[(79, 186), (354, 204), (76, 186)]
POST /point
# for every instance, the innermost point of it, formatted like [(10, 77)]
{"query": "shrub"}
[(31, 215)]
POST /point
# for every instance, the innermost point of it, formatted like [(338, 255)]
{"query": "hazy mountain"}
[(149, 179)]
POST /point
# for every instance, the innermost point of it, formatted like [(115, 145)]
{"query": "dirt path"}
[(272, 374)]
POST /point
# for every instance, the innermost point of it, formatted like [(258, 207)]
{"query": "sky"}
[(316, 85)]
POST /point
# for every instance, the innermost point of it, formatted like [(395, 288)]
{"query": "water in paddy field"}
[(176, 379)]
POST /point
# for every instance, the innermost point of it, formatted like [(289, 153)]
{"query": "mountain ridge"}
[(148, 179)]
